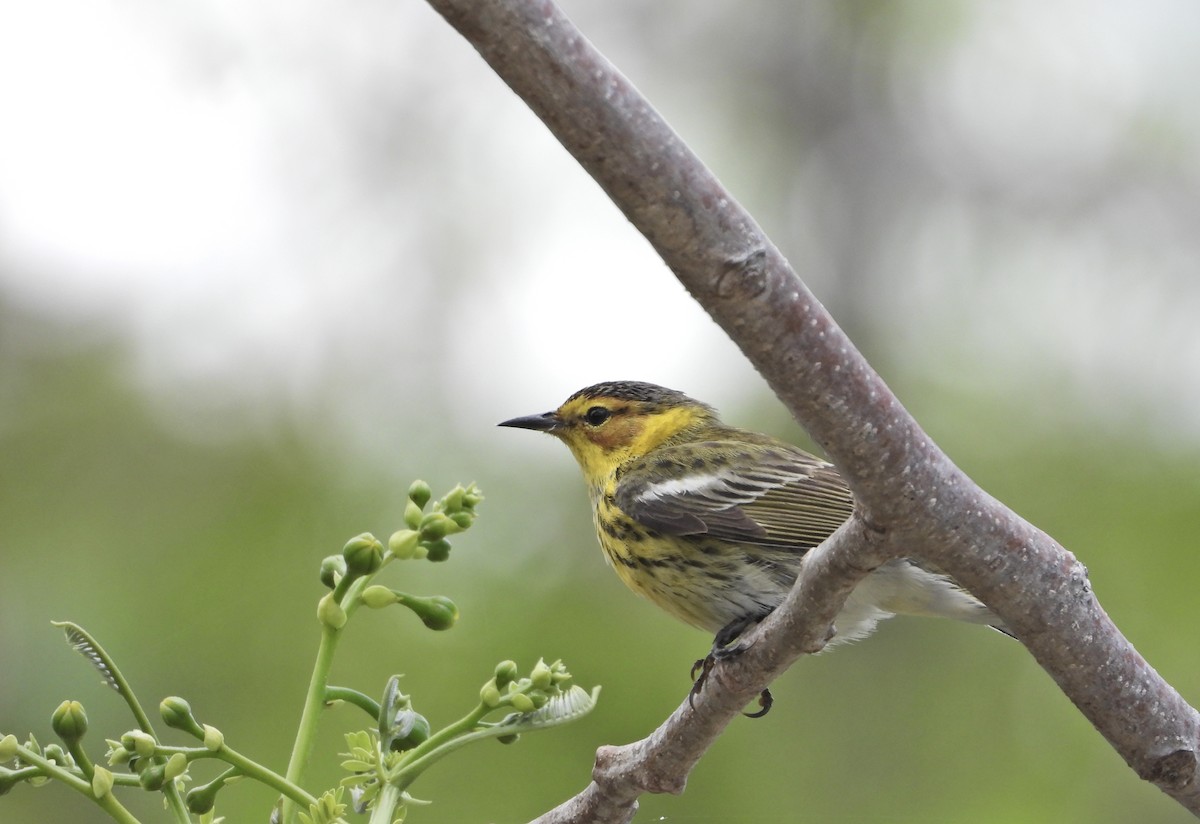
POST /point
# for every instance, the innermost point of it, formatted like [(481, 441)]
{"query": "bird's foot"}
[(723, 648)]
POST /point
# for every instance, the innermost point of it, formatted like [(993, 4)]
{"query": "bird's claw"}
[(703, 667), (765, 700)]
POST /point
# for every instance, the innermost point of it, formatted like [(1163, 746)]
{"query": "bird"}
[(712, 523)]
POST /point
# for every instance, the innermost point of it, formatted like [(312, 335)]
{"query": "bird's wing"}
[(770, 495)]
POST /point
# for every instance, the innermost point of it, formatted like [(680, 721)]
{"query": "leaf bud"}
[(506, 673), (419, 493), (521, 702), (214, 739), (176, 766), (453, 501), (363, 554), (177, 714), (378, 597), (403, 542), (541, 677), (412, 515), (330, 612), (560, 675), (333, 567), (117, 755), (102, 782), (69, 722)]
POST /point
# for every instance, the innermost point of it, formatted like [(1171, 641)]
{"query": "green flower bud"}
[(436, 611), (419, 493), (506, 673), (410, 729), (55, 753), (363, 554), (102, 782), (463, 519), (177, 714), (214, 739), (438, 551), (8, 780), (201, 800), (473, 497), (378, 597), (412, 515), (509, 739), (176, 766), (539, 698), (403, 542), (8, 747), (559, 674), (138, 742), (541, 677), (330, 612), (521, 702), (69, 722), (435, 525), (153, 777), (333, 567), (489, 695)]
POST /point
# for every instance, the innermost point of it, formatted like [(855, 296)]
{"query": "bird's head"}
[(606, 424)]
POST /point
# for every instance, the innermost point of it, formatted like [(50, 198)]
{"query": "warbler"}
[(712, 523)]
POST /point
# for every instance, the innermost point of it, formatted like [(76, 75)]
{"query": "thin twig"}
[(912, 498)]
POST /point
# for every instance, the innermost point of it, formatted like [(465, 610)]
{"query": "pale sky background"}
[(260, 199)]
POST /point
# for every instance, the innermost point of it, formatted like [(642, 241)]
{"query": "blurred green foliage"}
[(195, 562)]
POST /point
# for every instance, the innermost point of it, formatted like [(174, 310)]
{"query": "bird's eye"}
[(597, 415)]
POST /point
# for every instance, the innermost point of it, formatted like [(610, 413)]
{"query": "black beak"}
[(546, 422)]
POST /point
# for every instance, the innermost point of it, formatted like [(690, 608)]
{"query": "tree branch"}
[(913, 500)]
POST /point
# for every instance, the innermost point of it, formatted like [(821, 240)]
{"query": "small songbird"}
[(712, 523)]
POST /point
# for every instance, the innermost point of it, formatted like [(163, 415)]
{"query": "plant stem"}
[(306, 733), (88, 646), (252, 769), (364, 702), (384, 811), (419, 758), (175, 802), (108, 803)]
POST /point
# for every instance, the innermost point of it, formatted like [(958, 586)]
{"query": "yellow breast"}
[(696, 579)]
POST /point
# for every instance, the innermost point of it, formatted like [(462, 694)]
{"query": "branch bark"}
[(913, 501)]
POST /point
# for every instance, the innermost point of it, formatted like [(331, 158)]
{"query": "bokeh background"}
[(263, 264)]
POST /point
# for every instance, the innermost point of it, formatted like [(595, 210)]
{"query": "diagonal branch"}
[(913, 500), (662, 761)]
